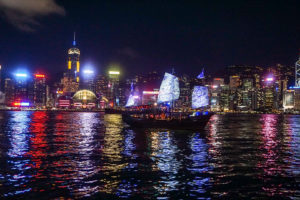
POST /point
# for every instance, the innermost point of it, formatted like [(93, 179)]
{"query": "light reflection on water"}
[(163, 154), (77, 155)]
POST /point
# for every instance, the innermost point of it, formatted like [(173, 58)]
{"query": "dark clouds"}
[(25, 14)]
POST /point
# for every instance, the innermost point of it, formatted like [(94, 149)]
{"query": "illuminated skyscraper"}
[(9, 90), (39, 90), (73, 61), (70, 80), (113, 87), (297, 73), (21, 84)]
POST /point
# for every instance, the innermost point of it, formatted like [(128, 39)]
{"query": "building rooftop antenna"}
[(74, 40)]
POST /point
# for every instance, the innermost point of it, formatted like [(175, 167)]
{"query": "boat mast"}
[(172, 106)]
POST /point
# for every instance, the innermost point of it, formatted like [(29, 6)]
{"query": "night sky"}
[(140, 36)]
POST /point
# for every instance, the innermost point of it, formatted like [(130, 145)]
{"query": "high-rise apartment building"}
[(39, 90), (9, 91)]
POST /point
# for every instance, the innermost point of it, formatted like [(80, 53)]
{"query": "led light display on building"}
[(150, 92), (169, 89), (114, 72), (200, 97), (40, 76), (87, 71), (21, 75), (64, 103), (288, 99), (22, 104)]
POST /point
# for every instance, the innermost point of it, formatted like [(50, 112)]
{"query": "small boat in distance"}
[(163, 115)]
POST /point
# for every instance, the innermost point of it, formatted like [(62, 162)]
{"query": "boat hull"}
[(191, 123)]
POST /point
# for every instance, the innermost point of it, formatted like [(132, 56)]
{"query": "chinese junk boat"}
[(163, 116)]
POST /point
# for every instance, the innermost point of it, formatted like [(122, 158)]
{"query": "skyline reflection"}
[(76, 155), (17, 162), (163, 153)]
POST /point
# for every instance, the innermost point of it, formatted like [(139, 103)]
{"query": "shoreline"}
[(103, 111)]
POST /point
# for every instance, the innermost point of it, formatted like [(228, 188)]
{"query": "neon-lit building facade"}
[(39, 90), (73, 61), (84, 99), (288, 99), (149, 97), (22, 88), (113, 93), (70, 80)]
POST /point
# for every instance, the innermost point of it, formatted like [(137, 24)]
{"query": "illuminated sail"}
[(200, 97), (201, 75), (169, 89), (130, 101)]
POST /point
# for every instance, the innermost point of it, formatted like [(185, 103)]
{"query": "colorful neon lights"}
[(21, 75), (40, 76), (114, 72), (150, 92), (88, 71), (22, 104), (69, 64), (77, 66)]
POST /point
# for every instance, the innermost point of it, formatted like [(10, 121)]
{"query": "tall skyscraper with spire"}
[(70, 80), (73, 61)]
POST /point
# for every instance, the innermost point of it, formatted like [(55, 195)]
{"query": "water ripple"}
[(51, 155)]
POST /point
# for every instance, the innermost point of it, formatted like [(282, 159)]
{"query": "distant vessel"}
[(169, 92)]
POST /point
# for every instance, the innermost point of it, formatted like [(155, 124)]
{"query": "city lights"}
[(22, 104), (87, 71), (269, 79), (114, 72), (21, 75), (150, 92), (40, 76)]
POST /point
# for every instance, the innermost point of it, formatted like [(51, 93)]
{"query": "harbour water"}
[(49, 155)]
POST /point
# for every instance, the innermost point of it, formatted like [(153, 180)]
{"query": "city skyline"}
[(125, 40), (160, 99)]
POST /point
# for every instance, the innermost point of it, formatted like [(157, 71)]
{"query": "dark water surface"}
[(48, 155)]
